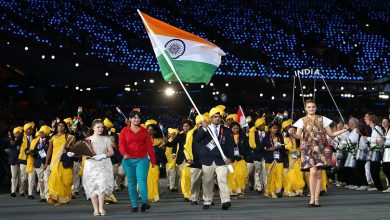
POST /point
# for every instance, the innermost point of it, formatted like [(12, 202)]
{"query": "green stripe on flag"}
[(188, 71)]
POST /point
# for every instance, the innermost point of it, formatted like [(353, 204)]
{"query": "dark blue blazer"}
[(13, 151), (196, 151), (38, 161), (226, 140), (258, 152), (269, 155), (243, 147), (181, 140)]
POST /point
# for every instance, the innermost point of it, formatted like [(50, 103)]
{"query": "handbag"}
[(67, 162)]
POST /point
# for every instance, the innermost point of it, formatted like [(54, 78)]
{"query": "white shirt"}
[(325, 121), (212, 127), (362, 144), (387, 142), (375, 135), (353, 136)]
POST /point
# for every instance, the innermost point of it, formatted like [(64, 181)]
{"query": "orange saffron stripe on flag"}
[(162, 28)]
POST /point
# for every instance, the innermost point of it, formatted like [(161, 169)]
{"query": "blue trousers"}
[(137, 172)]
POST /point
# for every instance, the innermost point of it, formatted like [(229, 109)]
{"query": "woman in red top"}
[(136, 147)]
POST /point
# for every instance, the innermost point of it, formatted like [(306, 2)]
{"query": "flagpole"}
[(170, 64)]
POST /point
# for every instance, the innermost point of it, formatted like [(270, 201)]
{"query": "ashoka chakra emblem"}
[(176, 48)]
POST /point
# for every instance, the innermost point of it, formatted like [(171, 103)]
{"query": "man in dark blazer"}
[(211, 158)]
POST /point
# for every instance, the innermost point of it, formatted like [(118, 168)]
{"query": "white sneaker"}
[(387, 190), (362, 188), (348, 187), (338, 184), (353, 187), (372, 189)]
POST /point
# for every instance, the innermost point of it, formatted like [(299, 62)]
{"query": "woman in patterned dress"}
[(312, 130)]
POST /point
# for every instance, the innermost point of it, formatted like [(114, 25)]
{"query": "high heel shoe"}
[(103, 213), (310, 205), (316, 204), (96, 214)]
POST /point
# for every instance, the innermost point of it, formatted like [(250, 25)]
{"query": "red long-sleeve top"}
[(136, 145)]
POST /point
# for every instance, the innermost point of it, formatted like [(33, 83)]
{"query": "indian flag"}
[(194, 58)]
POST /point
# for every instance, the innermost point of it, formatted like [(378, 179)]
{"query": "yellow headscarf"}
[(107, 123), (150, 122), (251, 137), (18, 129), (68, 120), (286, 123), (188, 145), (259, 122), (206, 117), (28, 125), (113, 130), (45, 129), (232, 116), (172, 131), (216, 110)]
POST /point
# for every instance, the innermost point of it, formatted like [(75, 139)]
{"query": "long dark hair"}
[(236, 124), (66, 130)]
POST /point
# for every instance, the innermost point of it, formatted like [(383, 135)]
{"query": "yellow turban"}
[(18, 129), (286, 123), (28, 125), (113, 130), (266, 128), (232, 116), (172, 131), (216, 110), (206, 117), (68, 120), (45, 129), (150, 122), (259, 122), (107, 123)]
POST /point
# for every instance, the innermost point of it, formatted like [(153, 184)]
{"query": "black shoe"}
[(174, 190), (212, 203), (310, 205), (186, 200), (194, 203), (42, 200), (30, 197), (322, 192), (259, 191), (251, 188), (134, 209), (144, 207), (117, 190), (22, 195), (206, 206), (317, 205), (76, 193), (13, 194), (226, 205), (73, 197)]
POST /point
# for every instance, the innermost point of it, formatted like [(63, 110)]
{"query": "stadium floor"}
[(338, 203)]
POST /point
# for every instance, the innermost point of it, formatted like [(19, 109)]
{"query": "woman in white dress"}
[(98, 177)]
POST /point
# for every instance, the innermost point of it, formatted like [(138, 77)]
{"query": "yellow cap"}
[(259, 122), (286, 123), (28, 125), (150, 122), (18, 129), (45, 129), (113, 130), (68, 120), (172, 131), (232, 116), (107, 123)]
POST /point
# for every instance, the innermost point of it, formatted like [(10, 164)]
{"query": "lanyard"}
[(272, 141)]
